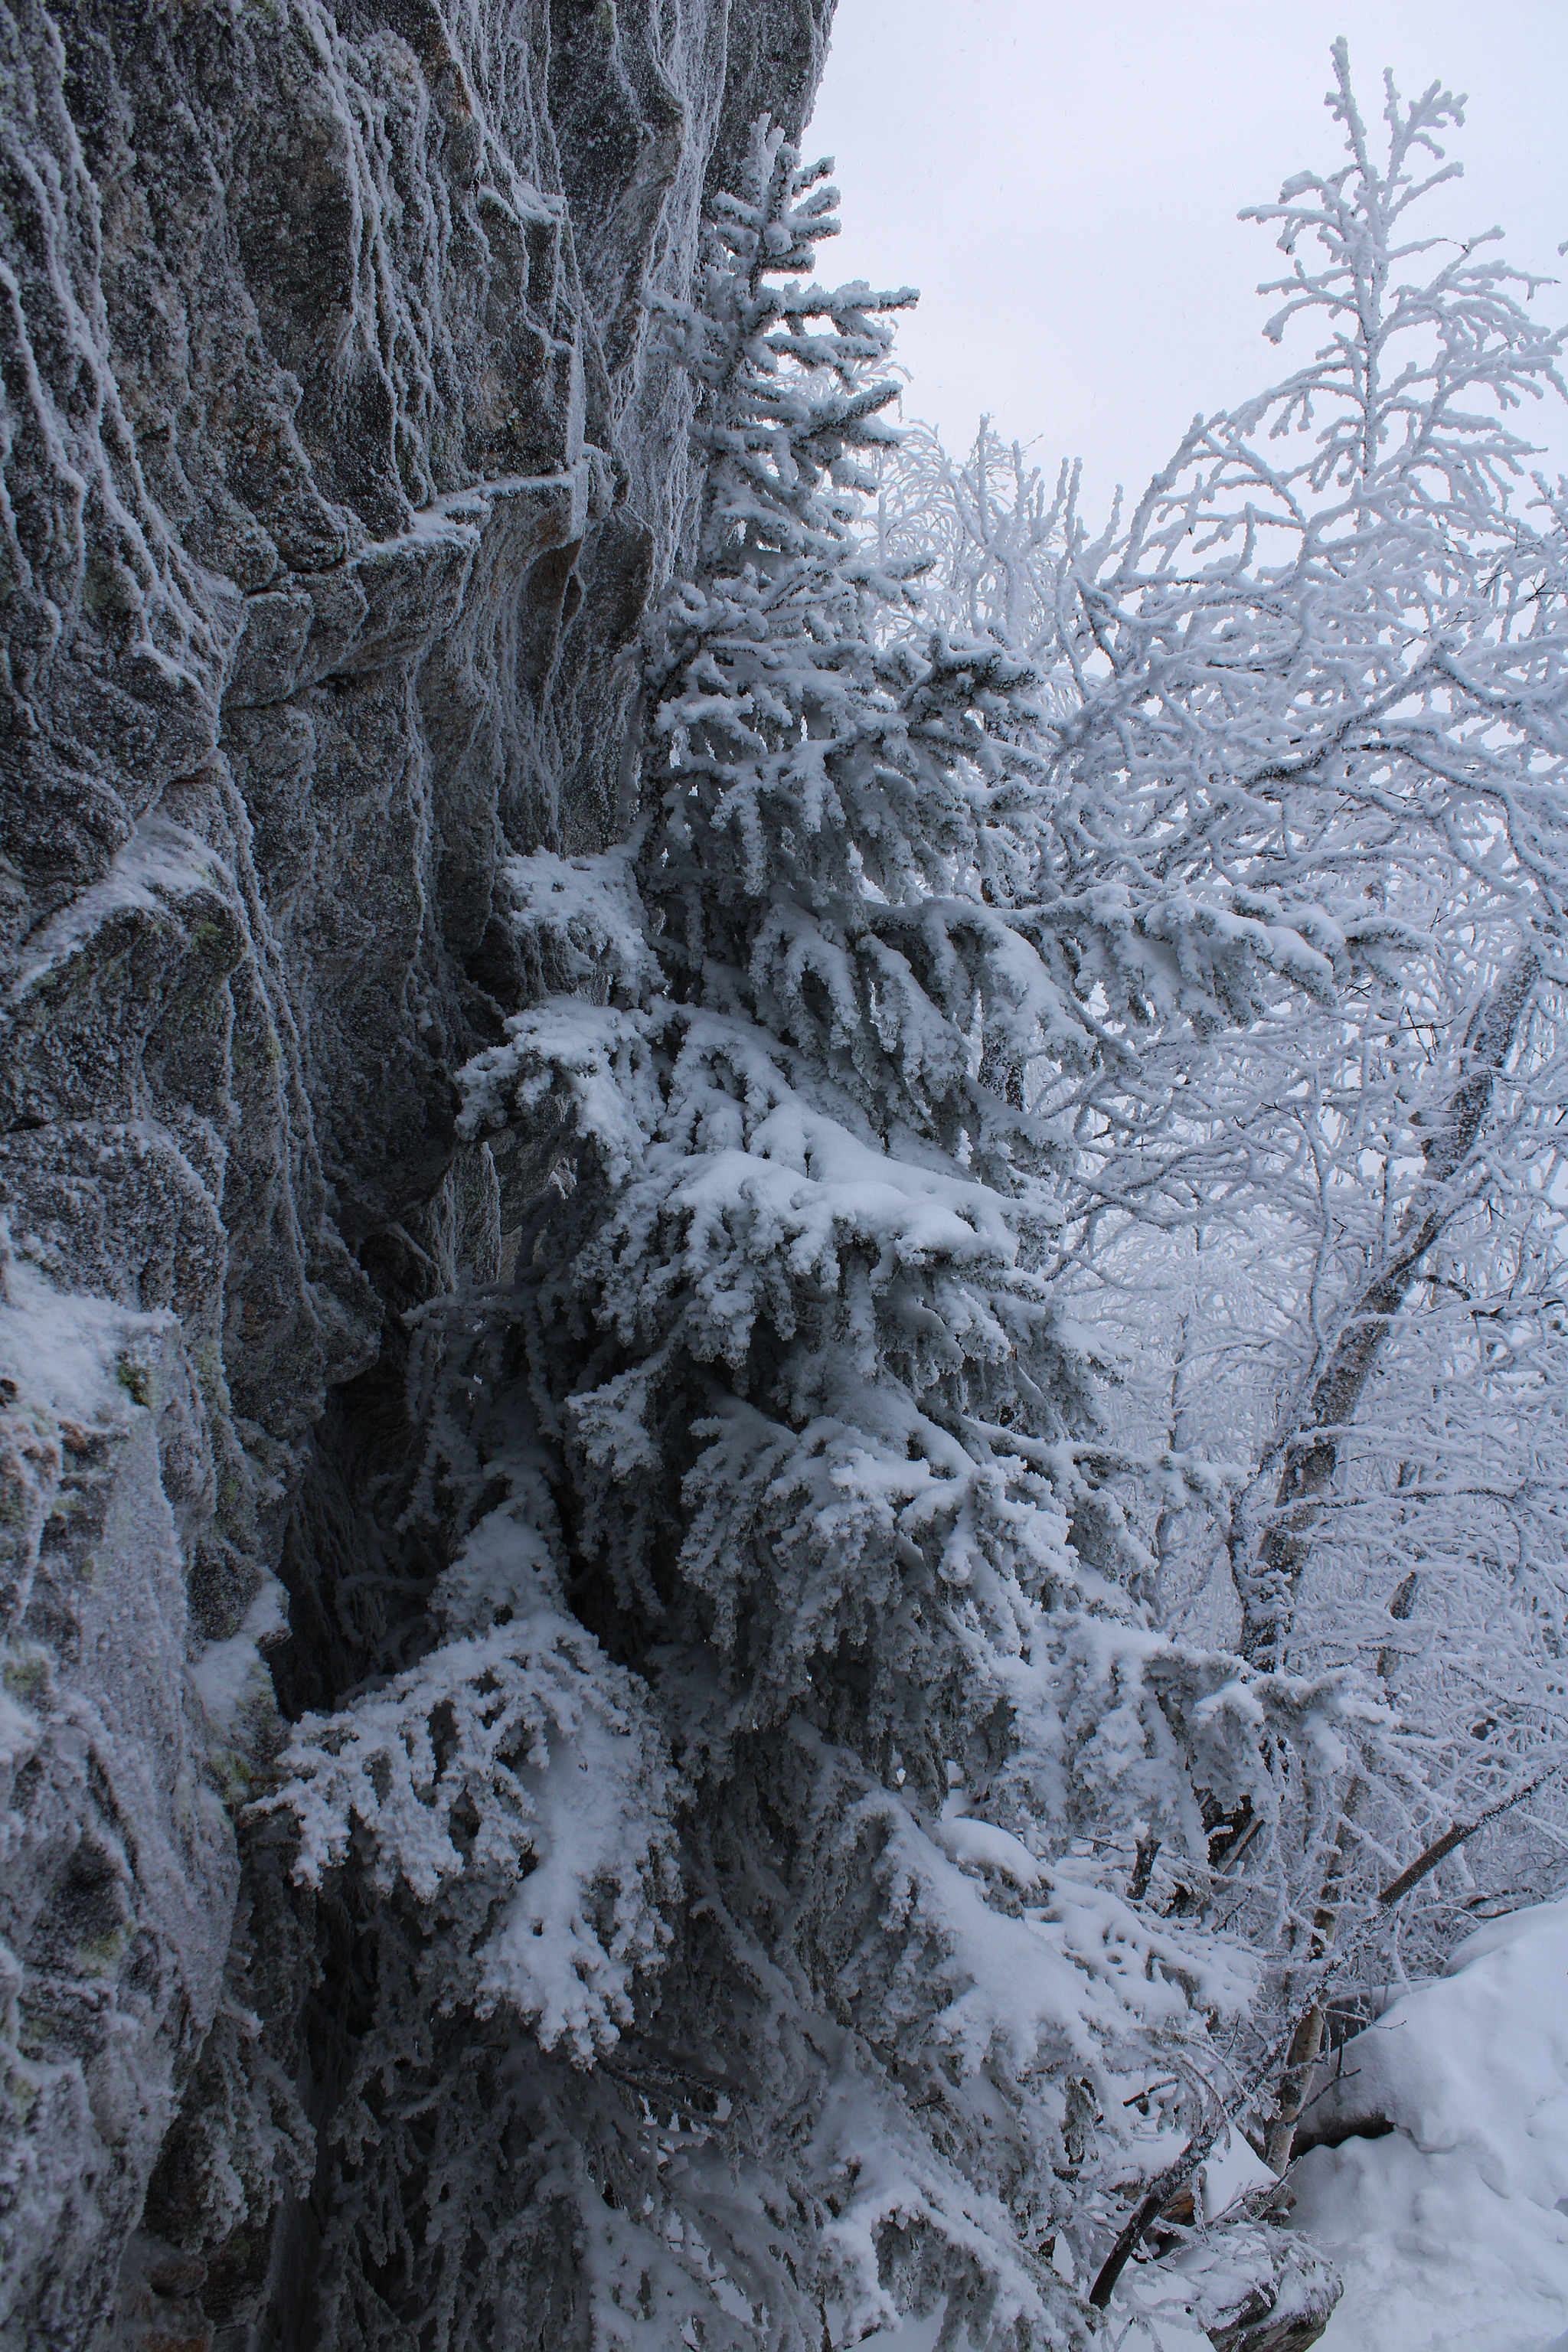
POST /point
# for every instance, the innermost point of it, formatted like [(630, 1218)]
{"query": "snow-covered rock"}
[(1452, 2227), (117, 1867), (337, 466)]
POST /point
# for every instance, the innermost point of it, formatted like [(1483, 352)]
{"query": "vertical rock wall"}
[(336, 468)]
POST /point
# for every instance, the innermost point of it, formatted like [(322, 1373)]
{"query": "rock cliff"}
[(337, 466)]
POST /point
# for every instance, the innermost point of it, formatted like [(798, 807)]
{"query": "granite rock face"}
[(337, 466)]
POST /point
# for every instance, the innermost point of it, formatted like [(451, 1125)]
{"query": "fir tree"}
[(775, 1481)]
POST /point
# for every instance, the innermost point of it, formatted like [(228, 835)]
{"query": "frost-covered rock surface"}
[(117, 1867), (337, 466), (1451, 2228)]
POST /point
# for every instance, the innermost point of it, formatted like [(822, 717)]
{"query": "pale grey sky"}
[(1061, 181)]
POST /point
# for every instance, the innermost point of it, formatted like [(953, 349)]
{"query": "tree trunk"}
[(1307, 2040), (1268, 1576)]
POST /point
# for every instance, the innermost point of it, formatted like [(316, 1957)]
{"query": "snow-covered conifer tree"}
[(759, 1932)]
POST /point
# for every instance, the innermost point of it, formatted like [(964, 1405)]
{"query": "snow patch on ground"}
[(1452, 2230), (1227, 2172)]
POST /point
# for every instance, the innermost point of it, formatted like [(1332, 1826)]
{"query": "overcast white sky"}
[(1061, 181)]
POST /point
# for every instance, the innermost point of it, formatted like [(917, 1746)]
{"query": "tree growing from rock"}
[(753, 1861), (809, 1876)]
